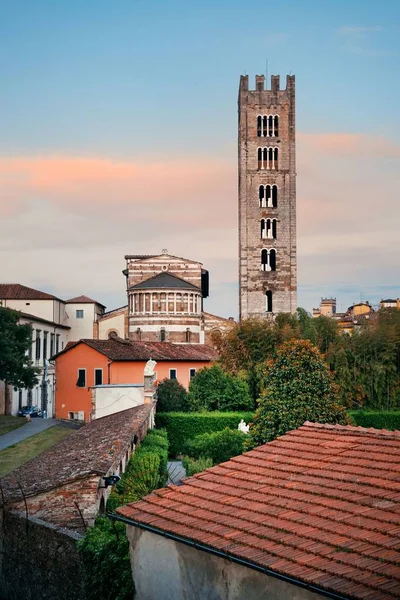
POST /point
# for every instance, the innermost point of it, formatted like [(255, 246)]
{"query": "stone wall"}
[(38, 561), (163, 568)]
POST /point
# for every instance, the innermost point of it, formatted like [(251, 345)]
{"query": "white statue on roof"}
[(243, 427), (149, 368)]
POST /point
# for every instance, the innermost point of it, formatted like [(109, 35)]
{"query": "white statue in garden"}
[(243, 427)]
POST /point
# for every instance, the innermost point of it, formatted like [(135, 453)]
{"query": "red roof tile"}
[(320, 504), (83, 300), (16, 291), (118, 349)]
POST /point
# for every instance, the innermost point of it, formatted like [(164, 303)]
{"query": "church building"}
[(165, 296)]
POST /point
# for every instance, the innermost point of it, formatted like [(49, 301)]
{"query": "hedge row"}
[(146, 471), (377, 419), (182, 427)]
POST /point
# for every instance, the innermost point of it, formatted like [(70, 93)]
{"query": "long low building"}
[(64, 486), (87, 365)]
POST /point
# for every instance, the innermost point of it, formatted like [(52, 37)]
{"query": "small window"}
[(163, 335), (192, 373), (138, 334), (187, 336), (98, 377), (81, 378), (268, 301), (71, 416), (58, 343), (172, 373), (79, 314)]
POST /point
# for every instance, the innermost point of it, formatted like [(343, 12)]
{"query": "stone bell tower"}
[(267, 198)]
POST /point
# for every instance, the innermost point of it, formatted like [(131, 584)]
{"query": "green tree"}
[(299, 388), (171, 396), (15, 341), (214, 389), (249, 344)]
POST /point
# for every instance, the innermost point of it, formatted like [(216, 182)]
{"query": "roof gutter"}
[(227, 556)]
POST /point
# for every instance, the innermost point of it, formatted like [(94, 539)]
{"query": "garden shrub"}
[(183, 427), (193, 465), (212, 388), (104, 551), (171, 396), (158, 443), (377, 419), (220, 446)]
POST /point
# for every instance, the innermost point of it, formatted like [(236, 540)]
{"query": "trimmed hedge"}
[(183, 427), (193, 465), (377, 418), (220, 446)]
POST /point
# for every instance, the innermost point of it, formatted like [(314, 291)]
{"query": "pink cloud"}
[(179, 189), (345, 144)]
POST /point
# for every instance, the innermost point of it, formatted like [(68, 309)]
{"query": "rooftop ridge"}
[(354, 428)]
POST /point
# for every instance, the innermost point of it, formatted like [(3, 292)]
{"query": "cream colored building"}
[(54, 323)]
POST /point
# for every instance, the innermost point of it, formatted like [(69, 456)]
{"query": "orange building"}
[(88, 363)]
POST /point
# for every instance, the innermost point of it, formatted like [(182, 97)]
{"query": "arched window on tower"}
[(138, 334), (267, 126), (276, 126), (267, 158), (272, 259), (271, 126), (274, 196), (187, 336), (268, 228), (268, 259), (261, 196), (163, 334), (264, 260), (268, 301)]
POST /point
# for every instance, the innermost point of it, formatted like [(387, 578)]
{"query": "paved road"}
[(25, 431), (176, 471)]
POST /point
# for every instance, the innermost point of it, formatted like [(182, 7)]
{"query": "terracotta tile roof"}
[(83, 300), (118, 349), (320, 504), (92, 449), (166, 281), (16, 291)]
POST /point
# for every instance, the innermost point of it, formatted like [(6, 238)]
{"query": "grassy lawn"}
[(17, 455), (8, 423)]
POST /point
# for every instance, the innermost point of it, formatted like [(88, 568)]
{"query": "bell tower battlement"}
[(267, 197)]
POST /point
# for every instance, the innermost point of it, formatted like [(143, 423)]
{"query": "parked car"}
[(31, 411)]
